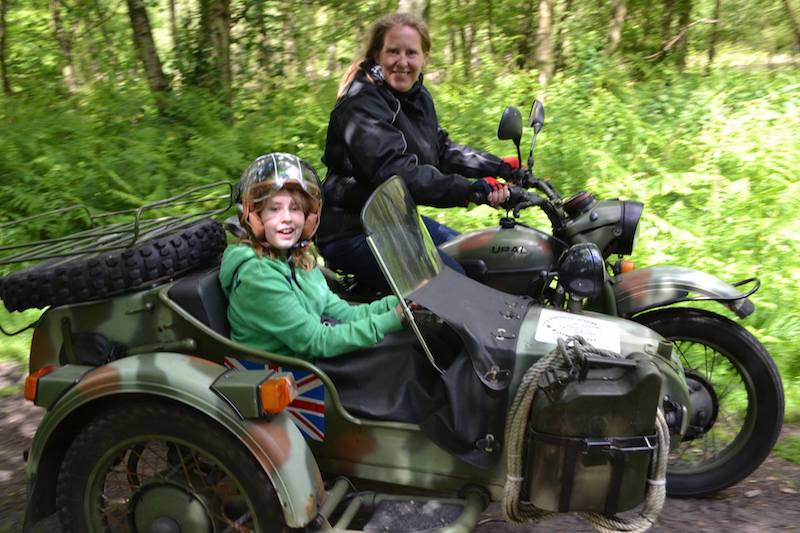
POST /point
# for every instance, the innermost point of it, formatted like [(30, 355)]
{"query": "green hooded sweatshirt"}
[(273, 310)]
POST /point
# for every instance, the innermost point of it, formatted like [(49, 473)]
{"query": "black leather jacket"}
[(375, 133)]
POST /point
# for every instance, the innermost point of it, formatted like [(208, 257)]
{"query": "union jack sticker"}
[(307, 411)]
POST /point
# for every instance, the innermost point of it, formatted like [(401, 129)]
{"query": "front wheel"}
[(162, 467), (739, 398)]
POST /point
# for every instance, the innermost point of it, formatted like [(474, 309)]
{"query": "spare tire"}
[(89, 277)]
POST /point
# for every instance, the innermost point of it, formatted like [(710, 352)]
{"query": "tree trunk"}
[(465, 52), (3, 68), (453, 47), (173, 26), (64, 45), (618, 10), (544, 43), (220, 32), (146, 48), (712, 39), (213, 63), (558, 48), (421, 8), (490, 26), (682, 46), (524, 46), (790, 14), (666, 28), (666, 22), (108, 44)]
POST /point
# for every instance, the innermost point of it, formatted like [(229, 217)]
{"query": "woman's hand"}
[(495, 192), (498, 197)]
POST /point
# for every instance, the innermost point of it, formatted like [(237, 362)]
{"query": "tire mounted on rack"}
[(89, 277)]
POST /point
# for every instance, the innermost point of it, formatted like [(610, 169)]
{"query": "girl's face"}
[(401, 57), (283, 220)]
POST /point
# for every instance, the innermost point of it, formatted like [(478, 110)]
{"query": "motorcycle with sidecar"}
[(157, 421)]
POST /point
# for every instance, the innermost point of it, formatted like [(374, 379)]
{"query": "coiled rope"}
[(572, 353)]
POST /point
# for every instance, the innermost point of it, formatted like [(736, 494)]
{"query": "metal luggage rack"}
[(106, 234)]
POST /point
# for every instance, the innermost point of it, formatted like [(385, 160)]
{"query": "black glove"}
[(486, 185), (480, 189)]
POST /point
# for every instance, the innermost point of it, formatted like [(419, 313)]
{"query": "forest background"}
[(690, 106)]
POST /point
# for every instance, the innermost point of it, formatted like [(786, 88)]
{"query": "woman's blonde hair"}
[(375, 38), (302, 256)]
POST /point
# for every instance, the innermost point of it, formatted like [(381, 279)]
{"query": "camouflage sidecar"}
[(157, 421)]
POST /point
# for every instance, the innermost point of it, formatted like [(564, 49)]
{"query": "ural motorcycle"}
[(157, 421), (737, 395)]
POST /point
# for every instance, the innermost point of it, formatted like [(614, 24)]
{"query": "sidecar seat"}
[(392, 380), (200, 293)]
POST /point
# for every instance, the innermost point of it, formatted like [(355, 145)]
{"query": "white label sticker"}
[(554, 325)]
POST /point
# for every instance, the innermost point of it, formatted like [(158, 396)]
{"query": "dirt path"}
[(769, 500)]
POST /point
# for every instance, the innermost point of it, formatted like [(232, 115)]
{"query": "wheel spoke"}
[(150, 462)]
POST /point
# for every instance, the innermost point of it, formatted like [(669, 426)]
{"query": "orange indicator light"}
[(32, 381), (276, 393)]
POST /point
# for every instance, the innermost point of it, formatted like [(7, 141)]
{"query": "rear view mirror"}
[(510, 127), (536, 116)]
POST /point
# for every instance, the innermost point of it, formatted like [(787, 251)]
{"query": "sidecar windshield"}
[(400, 241)]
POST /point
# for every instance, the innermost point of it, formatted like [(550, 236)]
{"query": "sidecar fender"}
[(646, 288), (275, 442)]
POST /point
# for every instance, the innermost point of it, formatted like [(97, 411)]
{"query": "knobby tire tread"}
[(100, 276)]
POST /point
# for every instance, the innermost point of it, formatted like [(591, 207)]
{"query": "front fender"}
[(275, 443), (646, 288)]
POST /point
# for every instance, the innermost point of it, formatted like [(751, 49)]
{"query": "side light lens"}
[(276, 393), (626, 266), (32, 381)]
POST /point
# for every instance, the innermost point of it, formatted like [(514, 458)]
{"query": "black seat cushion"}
[(200, 293)]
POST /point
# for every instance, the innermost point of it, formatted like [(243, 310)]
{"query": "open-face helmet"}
[(269, 174)]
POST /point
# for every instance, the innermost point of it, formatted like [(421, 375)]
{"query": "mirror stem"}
[(530, 154)]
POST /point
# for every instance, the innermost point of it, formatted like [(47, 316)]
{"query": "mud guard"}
[(646, 288), (275, 443)]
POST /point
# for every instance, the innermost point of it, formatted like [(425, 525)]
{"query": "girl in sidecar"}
[(281, 203)]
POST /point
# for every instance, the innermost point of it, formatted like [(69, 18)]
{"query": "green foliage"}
[(15, 348), (789, 448)]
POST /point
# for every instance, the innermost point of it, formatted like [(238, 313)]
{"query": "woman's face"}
[(283, 220), (401, 57)]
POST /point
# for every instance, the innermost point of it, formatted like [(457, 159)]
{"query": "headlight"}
[(629, 225), (582, 271)]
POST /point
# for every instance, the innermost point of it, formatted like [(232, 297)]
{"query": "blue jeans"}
[(352, 255)]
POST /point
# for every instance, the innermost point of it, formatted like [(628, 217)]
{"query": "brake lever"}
[(519, 199), (519, 207)]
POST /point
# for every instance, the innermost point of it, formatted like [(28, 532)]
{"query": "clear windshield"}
[(399, 240)]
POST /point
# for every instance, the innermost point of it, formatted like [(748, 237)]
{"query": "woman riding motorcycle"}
[(384, 124)]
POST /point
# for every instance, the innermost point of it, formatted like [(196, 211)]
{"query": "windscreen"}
[(401, 243)]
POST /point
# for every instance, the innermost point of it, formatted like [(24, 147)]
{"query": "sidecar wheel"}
[(162, 467), (746, 391)]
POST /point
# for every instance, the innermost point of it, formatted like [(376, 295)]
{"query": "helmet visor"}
[(273, 172)]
